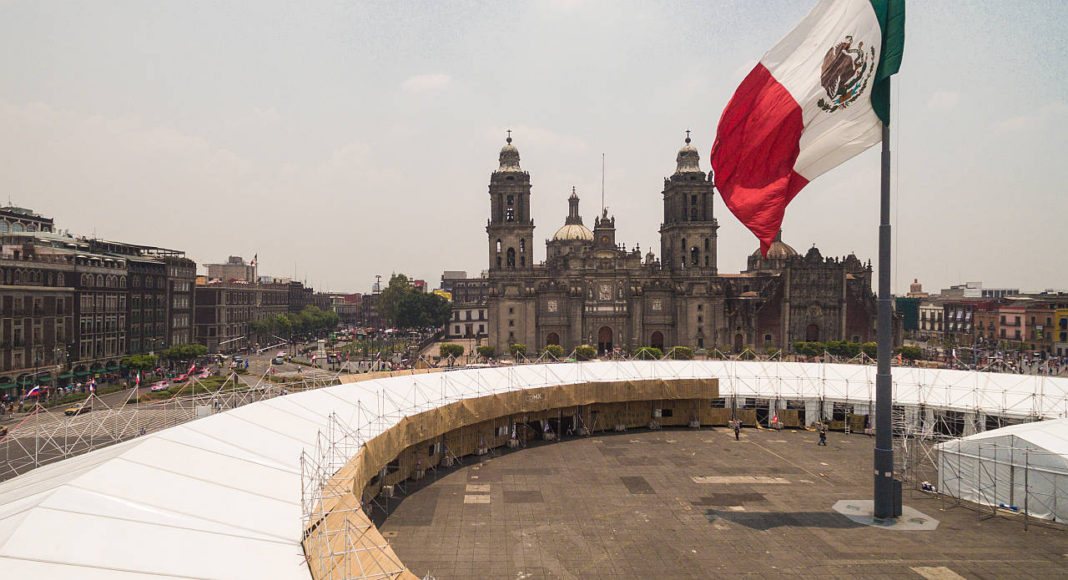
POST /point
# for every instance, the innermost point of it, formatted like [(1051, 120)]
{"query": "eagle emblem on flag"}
[(845, 74)]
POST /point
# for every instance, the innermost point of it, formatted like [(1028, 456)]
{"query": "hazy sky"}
[(346, 139)]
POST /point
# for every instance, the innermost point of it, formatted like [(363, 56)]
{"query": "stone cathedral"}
[(592, 290)]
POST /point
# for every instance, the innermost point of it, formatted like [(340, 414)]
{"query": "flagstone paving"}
[(695, 504)]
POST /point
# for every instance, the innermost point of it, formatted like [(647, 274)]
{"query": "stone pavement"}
[(694, 504)]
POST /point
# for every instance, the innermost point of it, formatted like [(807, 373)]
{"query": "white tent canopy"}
[(1020, 467), (220, 497)]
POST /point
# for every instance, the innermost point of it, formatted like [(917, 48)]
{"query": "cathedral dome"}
[(688, 160), (779, 249), (573, 228), (509, 156), (573, 232)]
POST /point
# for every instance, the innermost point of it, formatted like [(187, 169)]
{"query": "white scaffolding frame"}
[(47, 435)]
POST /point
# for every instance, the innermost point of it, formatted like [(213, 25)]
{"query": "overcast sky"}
[(346, 139)]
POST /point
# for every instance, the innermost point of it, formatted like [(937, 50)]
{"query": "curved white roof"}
[(220, 497)]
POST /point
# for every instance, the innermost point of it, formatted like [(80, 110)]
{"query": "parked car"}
[(204, 374), (278, 360), (79, 408), (181, 378), (160, 386)]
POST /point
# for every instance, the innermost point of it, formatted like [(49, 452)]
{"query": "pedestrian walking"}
[(823, 434), (737, 430)]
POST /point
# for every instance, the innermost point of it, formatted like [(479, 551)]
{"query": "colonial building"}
[(592, 290), (224, 309), (19, 219), (469, 313), (73, 307), (159, 304), (235, 269), (36, 314)]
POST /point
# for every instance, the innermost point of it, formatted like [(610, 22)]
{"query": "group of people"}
[(821, 428)]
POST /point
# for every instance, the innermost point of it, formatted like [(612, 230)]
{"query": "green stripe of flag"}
[(891, 15)]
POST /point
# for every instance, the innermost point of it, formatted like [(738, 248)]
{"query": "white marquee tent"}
[(220, 497), (1021, 467)]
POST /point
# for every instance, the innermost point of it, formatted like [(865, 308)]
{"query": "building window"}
[(511, 323)]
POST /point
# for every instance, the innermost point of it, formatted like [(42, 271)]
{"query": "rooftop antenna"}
[(602, 182)]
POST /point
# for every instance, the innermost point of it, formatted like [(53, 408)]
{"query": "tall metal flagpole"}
[(885, 490)]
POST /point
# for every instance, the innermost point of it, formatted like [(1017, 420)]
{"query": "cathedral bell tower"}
[(688, 234), (510, 227)]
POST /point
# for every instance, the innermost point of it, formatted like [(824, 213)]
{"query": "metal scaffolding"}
[(47, 435), (340, 541)]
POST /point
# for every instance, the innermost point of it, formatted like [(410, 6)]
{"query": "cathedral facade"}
[(592, 290)]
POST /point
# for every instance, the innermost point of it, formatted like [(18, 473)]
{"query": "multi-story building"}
[(36, 314), (1040, 335), (592, 290), (1060, 330), (976, 290), (17, 219), (234, 270), (369, 315), (470, 314), (160, 287), (100, 312), (448, 278), (147, 305), (346, 306), (98, 301), (932, 317), (181, 273), (986, 323), (223, 310), (1012, 324)]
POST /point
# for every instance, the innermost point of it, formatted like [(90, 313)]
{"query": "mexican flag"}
[(816, 99)]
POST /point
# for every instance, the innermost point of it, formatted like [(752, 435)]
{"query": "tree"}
[(486, 351), (555, 351), (140, 362), (648, 353), (910, 352), (517, 349), (185, 352), (389, 299), (407, 308), (282, 325), (448, 349), (422, 310), (585, 352), (870, 348), (680, 353), (809, 348)]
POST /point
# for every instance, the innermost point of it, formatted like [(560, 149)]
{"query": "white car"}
[(160, 386)]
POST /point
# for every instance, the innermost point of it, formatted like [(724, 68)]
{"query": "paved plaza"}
[(695, 504)]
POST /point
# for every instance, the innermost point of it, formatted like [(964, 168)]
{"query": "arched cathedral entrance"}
[(657, 340), (604, 340)]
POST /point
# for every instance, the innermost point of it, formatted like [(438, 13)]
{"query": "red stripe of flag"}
[(754, 154)]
